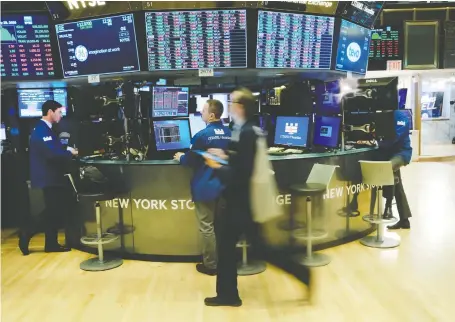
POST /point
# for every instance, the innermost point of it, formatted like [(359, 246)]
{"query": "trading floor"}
[(414, 282)]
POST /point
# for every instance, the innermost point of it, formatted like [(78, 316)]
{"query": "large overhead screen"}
[(386, 44), (26, 47), (196, 39), (294, 40), (98, 46), (363, 13)]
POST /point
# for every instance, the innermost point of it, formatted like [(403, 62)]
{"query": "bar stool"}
[(316, 185), (99, 239), (378, 174), (248, 267)]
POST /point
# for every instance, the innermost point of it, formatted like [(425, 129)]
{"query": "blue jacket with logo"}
[(48, 158), (401, 146), (205, 185)]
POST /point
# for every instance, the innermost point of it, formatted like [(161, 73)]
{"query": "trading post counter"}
[(155, 214)]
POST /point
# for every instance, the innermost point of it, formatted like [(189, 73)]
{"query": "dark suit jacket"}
[(237, 175), (48, 158)]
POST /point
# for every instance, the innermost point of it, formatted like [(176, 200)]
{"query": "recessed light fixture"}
[(279, 74)]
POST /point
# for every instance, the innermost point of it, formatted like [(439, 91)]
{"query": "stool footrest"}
[(106, 238), (315, 234)]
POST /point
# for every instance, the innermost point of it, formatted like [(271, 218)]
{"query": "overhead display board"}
[(386, 44), (319, 7), (98, 46), (26, 47), (196, 39), (353, 48), (363, 13), (294, 40)]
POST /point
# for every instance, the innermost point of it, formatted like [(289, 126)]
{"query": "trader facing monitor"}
[(172, 135), (292, 131), (327, 131)]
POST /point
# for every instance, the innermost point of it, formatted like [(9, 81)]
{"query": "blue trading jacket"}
[(401, 146), (48, 158), (205, 185)]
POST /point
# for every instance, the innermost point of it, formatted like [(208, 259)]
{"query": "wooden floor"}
[(415, 282)]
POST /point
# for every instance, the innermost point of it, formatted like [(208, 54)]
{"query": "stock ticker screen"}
[(26, 47), (353, 48), (196, 39), (385, 45), (98, 46), (30, 101), (170, 101), (363, 13), (292, 40)]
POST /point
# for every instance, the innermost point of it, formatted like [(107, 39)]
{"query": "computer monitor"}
[(359, 126), (30, 101), (373, 94), (385, 125), (292, 131), (172, 135), (196, 124), (328, 98), (168, 101), (327, 131)]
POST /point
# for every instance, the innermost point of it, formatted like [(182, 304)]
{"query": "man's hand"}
[(178, 155), (73, 151), (219, 153)]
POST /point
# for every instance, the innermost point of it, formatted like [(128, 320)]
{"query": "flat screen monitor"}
[(294, 40), (26, 47), (353, 48), (292, 131), (172, 135), (385, 125), (30, 101), (98, 46), (386, 44), (196, 39), (169, 101), (328, 98), (363, 13), (196, 124), (327, 131), (362, 123)]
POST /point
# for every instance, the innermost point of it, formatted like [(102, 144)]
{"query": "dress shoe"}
[(56, 249), (218, 301), (201, 268), (24, 240), (402, 224)]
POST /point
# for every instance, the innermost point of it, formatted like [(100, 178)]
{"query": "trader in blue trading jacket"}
[(399, 152), (48, 164), (206, 188)]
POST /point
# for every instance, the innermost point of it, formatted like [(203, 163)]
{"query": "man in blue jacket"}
[(399, 152), (206, 188), (48, 164)]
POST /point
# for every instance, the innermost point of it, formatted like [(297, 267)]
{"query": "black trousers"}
[(396, 191), (233, 220), (59, 203)]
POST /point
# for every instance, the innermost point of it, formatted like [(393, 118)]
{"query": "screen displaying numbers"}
[(196, 39), (292, 40), (98, 46), (385, 45), (26, 47)]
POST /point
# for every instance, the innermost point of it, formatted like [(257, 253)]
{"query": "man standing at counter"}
[(48, 165), (206, 188)]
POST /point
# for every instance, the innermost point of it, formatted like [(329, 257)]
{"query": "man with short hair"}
[(206, 188), (48, 165)]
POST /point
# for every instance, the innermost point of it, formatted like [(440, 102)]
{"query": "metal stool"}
[(316, 185), (248, 267), (99, 263), (378, 173)]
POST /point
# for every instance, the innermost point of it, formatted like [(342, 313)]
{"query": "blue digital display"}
[(26, 47), (353, 48), (328, 98), (292, 131), (327, 131), (30, 101), (98, 46), (172, 135)]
